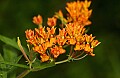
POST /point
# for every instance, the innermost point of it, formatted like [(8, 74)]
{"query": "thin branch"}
[(81, 57), (71, 48), (61, 61)]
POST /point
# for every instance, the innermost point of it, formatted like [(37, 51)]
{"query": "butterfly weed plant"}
[(46, 43)]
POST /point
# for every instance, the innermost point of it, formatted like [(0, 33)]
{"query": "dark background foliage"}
[(16, 17)]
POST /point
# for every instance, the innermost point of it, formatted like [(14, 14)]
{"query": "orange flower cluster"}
[(48, 44)]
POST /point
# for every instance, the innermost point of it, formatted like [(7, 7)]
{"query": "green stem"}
[(71, 50), (62, 61), (23, 74), (81, 57)]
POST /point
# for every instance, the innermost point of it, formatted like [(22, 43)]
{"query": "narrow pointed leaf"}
[(3, 73), (18, 58), (9, 53), (16, 61), (2, 66), (43, 66), (1, 58), (9, 41), (12, 43), (13, 64)]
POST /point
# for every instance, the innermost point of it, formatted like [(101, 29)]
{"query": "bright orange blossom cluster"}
[(48, 44)]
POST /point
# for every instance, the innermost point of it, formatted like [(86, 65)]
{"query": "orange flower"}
[(71, 41), (41, 48), (49, 43), (89, 50), (70, 29), (38, 49), (40, 40), (41, 32), (95, 43), (74, 9), (87, 4), (74, 29), (80, 38), (51, 31), (61, 37), (61, 40), (51, 21), (79, 46), (62, 32), (78, 12), (56, 51), (37, 20), (44, 57), (89, 38), (52, 40), (29, 34)]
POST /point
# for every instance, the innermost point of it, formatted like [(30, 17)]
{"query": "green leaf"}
[(12, 74), (13, 69), (3, 73), (16, 61), (9, 54), (1, 58), (36, 63), (18, 58), (2, 66), (12, 43), (13, 64), (40, 66), (46, 65), (9, 41)]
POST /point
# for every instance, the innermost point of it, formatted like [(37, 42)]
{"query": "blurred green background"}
[(16, 17)]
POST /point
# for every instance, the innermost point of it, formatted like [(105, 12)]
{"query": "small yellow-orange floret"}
[(51, 31), (29, 34), (56, 51), (71, 41), (44, 57), (51, 21), (89, 38), (89, 50), (79, 46), (95, 43), (61, 37), (41, 32), (37, 20)]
